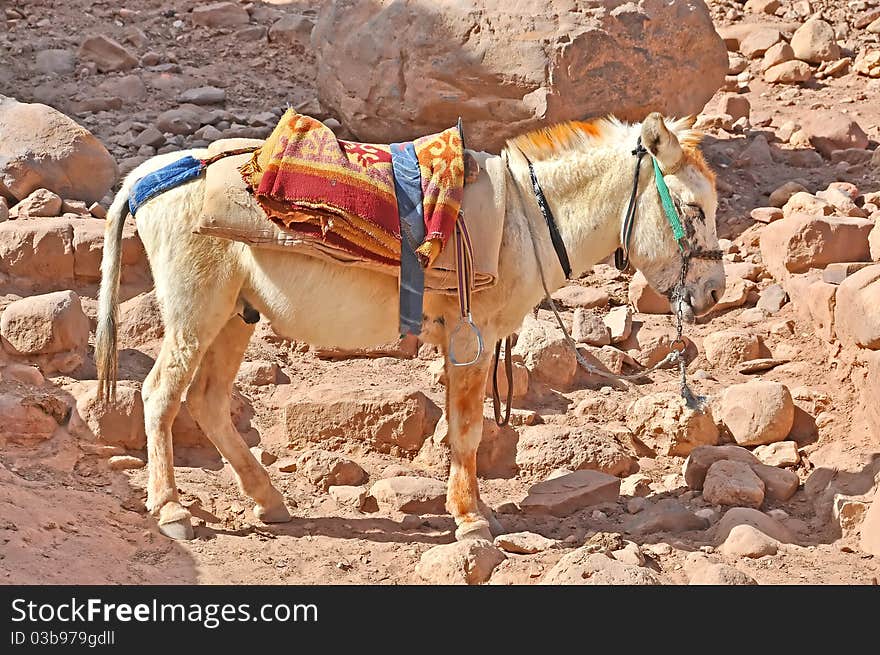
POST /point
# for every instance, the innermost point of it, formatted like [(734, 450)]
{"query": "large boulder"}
[(857, 310), (801, 242), (507, 68), (42, 148)]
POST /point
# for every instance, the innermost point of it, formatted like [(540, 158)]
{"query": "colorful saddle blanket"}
[(311, 183)]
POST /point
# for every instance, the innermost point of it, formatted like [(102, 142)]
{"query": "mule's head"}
[(691, 183)]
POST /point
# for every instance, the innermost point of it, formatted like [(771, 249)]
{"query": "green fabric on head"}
[(668, 205)]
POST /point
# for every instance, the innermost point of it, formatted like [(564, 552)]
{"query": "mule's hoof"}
[(473, 530), (180, 530), (276, 514)]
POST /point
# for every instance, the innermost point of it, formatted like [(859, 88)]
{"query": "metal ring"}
[(679, 346), (470, 323)]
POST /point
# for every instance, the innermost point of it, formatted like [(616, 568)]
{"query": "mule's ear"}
[(661, 143)]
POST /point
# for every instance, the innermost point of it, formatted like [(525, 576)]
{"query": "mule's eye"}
[(694, 210)]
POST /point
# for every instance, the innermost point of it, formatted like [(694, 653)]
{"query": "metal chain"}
[(679, 345)]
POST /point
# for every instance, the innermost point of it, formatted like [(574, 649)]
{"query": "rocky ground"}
[(772, 484)]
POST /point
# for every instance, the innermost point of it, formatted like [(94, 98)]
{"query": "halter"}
[(621, 255)]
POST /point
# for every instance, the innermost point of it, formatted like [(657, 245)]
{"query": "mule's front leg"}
[(465, 389)]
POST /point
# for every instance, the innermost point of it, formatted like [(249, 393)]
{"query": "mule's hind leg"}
[(208, 399), (465, 388), (162, 391)]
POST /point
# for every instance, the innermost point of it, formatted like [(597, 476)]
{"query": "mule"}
[(585, 171)]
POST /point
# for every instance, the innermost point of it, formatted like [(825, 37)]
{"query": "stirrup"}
[(465, 320)]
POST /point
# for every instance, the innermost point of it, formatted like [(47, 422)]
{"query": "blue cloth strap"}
[(174, 174), (408, 188)]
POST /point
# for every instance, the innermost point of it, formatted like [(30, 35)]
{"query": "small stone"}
[(727, 348), (748, 541), (760, 365), (107, 54), (524, 543), (766, 214), (783, 193), (781, 453), (789, 72), (574, 296), (772, 299), (39, 203), (588, 327), (733, 483), (619, 322), (815, 42), (720, 574), (410, 494), (464, 562), (571, 492), (123, 462), (668, 515), (204, 95), (97, 210), (220, 14), (264, 457), (351, 496)]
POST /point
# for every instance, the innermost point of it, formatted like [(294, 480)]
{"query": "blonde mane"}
[(547, 142)]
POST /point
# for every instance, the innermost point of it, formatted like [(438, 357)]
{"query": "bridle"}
[(678, 293)]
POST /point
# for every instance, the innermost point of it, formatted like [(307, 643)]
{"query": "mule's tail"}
[(106, 355)]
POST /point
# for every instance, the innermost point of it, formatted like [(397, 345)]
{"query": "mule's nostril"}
[(714, 294)]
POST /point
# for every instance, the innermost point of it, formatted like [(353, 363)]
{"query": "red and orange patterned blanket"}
[(315, 185)]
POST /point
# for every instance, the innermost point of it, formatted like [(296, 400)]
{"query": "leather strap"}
[(555, 237), (508, 371)]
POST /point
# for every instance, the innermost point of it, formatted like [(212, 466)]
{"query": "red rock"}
[(42, 148), (291, 30), (410, 494), (777, 54), (516, 83), (702, 457), (788, 72), (857, 310), (107, 54), (758, 41), (40, 202), (815, 42), (666, 425), (258, 374), (571, 492), (779, 485), (543, 448), (820, 301), (464, 562), (584, 566), (220, 14), (619, 322), (120, 423), (747, 516), (756, 412), (28, 416), (837, 272), (766, 214), (730, 482), (645, 299), (831, 130), (874, 243), (140, 321), (125, 462), (747, 541), (869, 539), (325, 469), (588, 327), (727, 348), (783, 193), (46, 324), (735, 105), (801, 242), (781, 453), (384, 420), (520, 382), (545, 352), (573, 296)]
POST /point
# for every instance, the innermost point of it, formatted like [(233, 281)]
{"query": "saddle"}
[(234, 208)]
